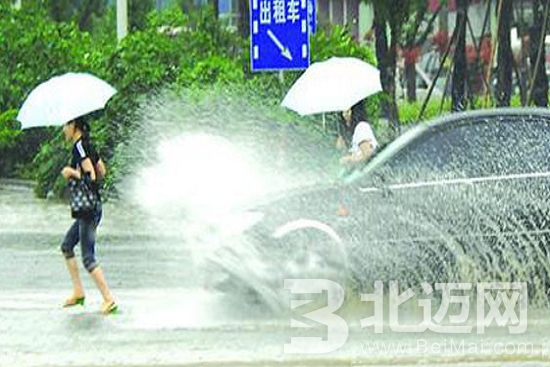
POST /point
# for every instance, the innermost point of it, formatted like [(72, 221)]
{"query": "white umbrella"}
[(333, 85), (64, 98)]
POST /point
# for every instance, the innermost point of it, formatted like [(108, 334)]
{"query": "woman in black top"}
[(85, 165)]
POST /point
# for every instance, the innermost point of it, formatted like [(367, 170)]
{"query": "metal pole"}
[(477, 45), (121, 19), (453, 40), (539, 53), (345, 12), (281, 77), (493, 53)]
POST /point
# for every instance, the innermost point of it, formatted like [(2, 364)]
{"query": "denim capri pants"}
[(83, 230)]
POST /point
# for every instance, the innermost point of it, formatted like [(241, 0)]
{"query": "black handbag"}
[(83, 199)]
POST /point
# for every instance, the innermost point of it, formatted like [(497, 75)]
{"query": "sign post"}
[(279, 32), (121, 19)]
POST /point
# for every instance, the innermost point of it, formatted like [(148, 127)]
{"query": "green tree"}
[(82, 12), (244, 18), (388, 14), (416, 31), (17, 148), (215, 5), (405, 24), (505, 56), (138, 11), (33, 49), (174, 50), (537, 33), (460, 69), (9, 128), (61, 10)]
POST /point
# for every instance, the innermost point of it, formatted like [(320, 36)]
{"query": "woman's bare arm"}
[(101, 169), (87, 166)]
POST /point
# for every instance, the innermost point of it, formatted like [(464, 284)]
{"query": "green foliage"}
[(190, 51), (9, 128), (81, 12), (17, 148), (104, 27), (409, 112), (137, 13), (337, 41), (144, 61), (9, 132), (211, 70), (170, 49), (515, 101), (185, 46), (48, 165), (33, 49), (168, 18)]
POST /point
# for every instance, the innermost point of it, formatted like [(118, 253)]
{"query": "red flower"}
[(471, 54), (411, 54), (486, 50), (441, 41)]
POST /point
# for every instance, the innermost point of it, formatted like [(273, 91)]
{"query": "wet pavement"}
[(166, 316)]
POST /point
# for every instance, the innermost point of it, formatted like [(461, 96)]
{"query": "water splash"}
[(206, 159), (201, 173), (197, 161), (472, 210)]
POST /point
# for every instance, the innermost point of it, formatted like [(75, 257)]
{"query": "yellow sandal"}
[(109, 308)]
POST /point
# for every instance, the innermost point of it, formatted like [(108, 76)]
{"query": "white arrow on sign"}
[(284, 50)]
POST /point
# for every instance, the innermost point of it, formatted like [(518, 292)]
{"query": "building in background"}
[(358, 15), (343, 12), (229, 12)]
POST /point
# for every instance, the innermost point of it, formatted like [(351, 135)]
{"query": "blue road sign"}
[(279, 31)]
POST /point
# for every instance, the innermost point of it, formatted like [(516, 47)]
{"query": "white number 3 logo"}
[(338, 329)]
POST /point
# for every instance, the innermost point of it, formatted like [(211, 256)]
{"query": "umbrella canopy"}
[(64, 98), (333, 85)]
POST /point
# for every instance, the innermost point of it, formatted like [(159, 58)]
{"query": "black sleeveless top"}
[(83, 149)]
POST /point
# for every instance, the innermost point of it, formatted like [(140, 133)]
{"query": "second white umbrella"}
[(333, 85)]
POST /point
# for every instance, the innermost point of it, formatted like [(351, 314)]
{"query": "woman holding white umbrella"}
[(63, 100), (357, 135), (334, 85), (85, 165)]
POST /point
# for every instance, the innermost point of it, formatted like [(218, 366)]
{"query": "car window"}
[(480, 147)]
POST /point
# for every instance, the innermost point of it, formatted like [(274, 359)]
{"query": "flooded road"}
[(166, 316)]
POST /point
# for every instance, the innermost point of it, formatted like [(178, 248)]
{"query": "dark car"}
[(461, 199)]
